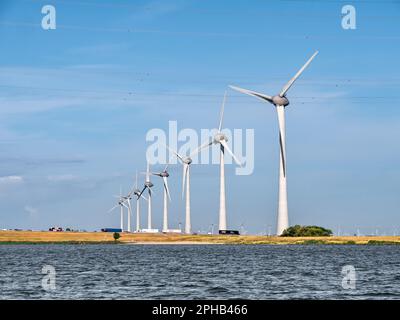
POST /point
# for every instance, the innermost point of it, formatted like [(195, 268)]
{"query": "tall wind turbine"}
[(222, 139), (186, 162), (280, 101), (164, 175), (122, 205), (148, 185)]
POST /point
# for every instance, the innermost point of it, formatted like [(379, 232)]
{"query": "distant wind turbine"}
[(122, 205), (138, 195), (280, 102), (148, 185), (128, 199), (164, 176)]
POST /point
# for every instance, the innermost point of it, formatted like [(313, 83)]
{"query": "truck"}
[(229, 232), (111, 230)]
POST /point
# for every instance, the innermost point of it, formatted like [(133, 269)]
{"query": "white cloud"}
[(11, 180), (63, 178), (156, 9)]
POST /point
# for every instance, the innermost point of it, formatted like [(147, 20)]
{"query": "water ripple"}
[(199, 272)]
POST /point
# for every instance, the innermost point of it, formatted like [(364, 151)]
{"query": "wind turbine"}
[(164, 175), (121, 204), (148, 185), (138, 195), (128, 199), (221, 139), (280, 101), (186, 162)]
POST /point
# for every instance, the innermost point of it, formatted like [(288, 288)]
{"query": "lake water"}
[(199, 272)]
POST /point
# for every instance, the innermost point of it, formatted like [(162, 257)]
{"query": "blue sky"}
[(76, 104)]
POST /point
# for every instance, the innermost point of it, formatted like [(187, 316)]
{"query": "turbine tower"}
[(164, 175), (148, 185), (222, 139), (280, 102)]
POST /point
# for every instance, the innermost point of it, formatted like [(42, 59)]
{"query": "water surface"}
[(199, 271)]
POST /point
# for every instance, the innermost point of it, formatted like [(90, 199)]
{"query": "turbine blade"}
[(291, 81), (221, 116), (166, 187), (258, 95), (134, 187), (281, 142), (150, 192), (155, 174), (144, 188), (175, 153), (201, 147), (166, 166), (142, 196), (113, 208), (185, 169), (226, 147)]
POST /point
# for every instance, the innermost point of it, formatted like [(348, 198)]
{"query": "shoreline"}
[(88, 238)]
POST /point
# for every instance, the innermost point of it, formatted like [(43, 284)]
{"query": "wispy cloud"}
[(6, 180), (63, 178), (158, 8)]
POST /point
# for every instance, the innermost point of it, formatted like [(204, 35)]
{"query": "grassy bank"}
[(37, 237)]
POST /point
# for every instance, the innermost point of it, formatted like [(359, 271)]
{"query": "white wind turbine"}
[(122, 205), (128, 199), (148, 185), (280, 102), (221, 139), (186, 162), (138, 195), (164, 175)]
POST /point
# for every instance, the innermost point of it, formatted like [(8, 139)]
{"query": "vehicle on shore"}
[(111, 230)]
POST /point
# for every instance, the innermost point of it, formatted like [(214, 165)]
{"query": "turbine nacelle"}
[(164, 174), (148, 184), (220, 137), (187, 160), (280, 101)]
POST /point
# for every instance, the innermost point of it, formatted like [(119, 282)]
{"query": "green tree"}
[(116, 236), (306, 231)]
